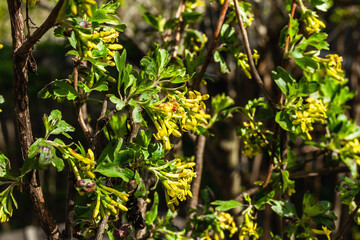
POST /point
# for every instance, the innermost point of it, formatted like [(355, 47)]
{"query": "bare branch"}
[(253, 69), (211, 48)]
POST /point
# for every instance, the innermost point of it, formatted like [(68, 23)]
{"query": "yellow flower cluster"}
[(105, 205), (243, 62), (253, 138), (248, 228), (86, 164), (109, 37), (332, 64), (313, 111), (312, 23), (177, 184), (324, 231), (352, 149), (80, 7), (227, 223), (179, 112)]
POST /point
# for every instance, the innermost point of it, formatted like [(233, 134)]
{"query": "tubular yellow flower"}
[(248, 228), (324, 231), (312, 23)]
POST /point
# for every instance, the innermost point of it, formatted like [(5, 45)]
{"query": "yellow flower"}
[(324, 231), (1, 46), (312, 23), (177, 184), (332, 65), (313, 111), (248, 228), (227, 223)]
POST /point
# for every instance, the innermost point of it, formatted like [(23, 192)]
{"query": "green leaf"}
[(306, 88), (120, 104), (284, 121), (284, 80), (5, 171), (306, 63), (112, 158), (104, 15), (223, 65), (152, 214), (136, 111), (322, 5), (56, 125), (191, 17), (141, 189), (2, 100), (72, 39), (283, 209), (226, 205), (64, 90), (151, 20)]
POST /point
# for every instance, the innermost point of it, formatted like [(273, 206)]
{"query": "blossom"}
[(313, 111), (227, 223), (312, 23), (177, 183), (248, 228), (332, 65), (324, 231), (253, 138), (178, 113)]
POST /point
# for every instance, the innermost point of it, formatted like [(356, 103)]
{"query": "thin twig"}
[(253, 69), (211, 48), (70, 204)]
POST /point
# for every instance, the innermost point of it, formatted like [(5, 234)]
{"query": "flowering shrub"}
[(146, 111)]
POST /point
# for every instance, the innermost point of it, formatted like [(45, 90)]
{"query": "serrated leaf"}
[(136, 111), (141, 189), (112, 158), (283, 209), (284, 80), (119, 104), (64, 90), (322, 5), (226, 205)]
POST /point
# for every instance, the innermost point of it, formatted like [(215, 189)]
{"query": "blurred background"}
[(226, 171)]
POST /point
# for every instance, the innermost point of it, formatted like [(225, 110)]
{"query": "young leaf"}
[(226, 205), (152, 214)]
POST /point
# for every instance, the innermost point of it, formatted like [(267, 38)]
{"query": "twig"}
[(180, 26), (101, 228), (253, 69), (49, 23), (348, 221), (320, 172), (251, 191), (211, 48)]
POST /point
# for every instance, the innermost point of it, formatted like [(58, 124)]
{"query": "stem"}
[(101, 229), (253, 69), (70, 204), (210, 52)]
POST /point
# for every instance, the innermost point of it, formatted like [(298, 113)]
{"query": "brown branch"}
[(199, 160), (101, 228), (20, 59), (253, 69), (320, 172), (347, 223), (180, 26), (49, 23), (211, 48), (251, 191), (70, 204)]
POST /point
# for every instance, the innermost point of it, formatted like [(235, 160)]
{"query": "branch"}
[(49, 23), (101, 229), (317, 173), (253, 69), (199, 159), (180, 26), (20, 59), (346, 225), (210, 52)]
